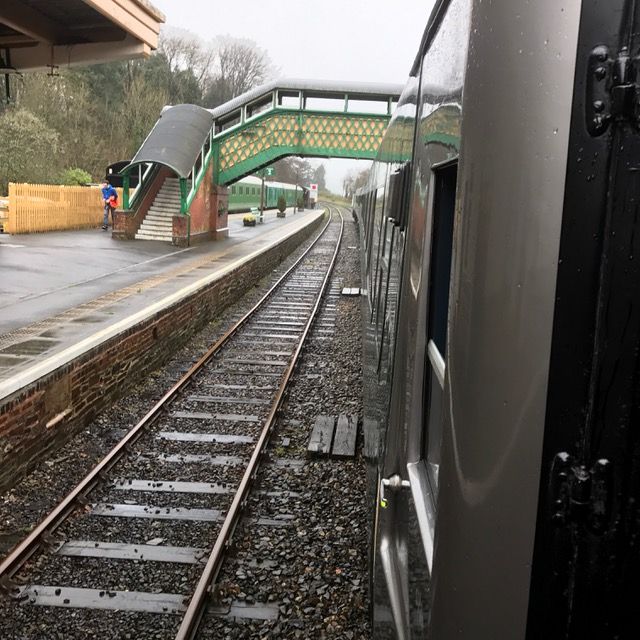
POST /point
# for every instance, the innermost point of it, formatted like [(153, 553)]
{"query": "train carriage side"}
[(244, 194), (497, 328), (502, 328), (407, 208)]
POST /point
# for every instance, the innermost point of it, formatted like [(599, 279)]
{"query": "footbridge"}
[(182, 169)]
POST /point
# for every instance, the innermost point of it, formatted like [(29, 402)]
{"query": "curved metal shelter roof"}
[(176, 139)]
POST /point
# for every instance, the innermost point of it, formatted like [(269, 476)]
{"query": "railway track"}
[(152, 521)]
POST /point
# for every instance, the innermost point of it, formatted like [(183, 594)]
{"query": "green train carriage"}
[(245, 194)]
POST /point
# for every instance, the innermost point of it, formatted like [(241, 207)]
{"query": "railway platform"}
[(65, 287)]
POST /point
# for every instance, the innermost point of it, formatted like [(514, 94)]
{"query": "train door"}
[(587, 554)]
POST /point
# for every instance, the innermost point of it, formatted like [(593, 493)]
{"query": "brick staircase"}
[(158, 223)]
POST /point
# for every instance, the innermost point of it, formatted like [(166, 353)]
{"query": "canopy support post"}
[(125, 191)]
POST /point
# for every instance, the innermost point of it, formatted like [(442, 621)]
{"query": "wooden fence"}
[(50, 207)]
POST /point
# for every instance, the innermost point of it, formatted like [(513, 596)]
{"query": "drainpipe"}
[(184, 209)]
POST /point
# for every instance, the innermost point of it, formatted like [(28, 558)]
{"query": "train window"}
[(441, 249), (383, 318), (379, 214), (438, 311)]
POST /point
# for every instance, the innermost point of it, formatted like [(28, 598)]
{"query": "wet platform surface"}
[(58, 289)]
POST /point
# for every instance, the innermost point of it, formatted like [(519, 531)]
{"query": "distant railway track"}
[(228, 400)]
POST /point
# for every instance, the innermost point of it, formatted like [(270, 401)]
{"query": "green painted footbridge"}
[(288, 119), (278, 119)]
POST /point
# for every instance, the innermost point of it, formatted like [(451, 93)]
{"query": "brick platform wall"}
[(42, 416), (202, 205), (208, 214), (220, 213)]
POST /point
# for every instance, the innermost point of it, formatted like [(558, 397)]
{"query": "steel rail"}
[(195, 609), (41, 535)]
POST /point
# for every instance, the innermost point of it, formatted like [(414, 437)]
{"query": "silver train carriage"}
[(501, 293)]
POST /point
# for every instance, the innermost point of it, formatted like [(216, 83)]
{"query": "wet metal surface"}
[(74, 597), (125, 551), (155, 513), (223, 400), (221, 438), (199, 458), (176, 486), (226, 417), (241, 610)]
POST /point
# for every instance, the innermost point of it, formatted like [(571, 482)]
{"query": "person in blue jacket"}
[(110, 201)]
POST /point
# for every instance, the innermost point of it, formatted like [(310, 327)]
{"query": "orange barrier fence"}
[(51, 207)]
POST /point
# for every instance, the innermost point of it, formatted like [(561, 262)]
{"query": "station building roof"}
[(38, 35)]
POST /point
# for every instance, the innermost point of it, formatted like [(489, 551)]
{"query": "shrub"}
[(282, 203), (249, 220), (300, 203), (75, 176)]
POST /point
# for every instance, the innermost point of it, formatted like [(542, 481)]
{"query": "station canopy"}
[(176, 139), (41, 35)]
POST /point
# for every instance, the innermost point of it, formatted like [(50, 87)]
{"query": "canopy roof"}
[(41, 34), (176, 139)]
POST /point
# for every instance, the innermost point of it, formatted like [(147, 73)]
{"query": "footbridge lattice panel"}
[(263, 141)]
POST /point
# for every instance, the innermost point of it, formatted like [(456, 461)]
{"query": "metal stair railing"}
[(131, 197)]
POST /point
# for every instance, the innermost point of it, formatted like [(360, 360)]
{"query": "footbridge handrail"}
[(273, 94)]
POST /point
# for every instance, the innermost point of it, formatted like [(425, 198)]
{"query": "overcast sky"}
[(364, 40)]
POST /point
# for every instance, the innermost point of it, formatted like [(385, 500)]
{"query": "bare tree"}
[(348, 183), (240, 66), (144, 104), (183, 50), (294, 171), (353, 181), (362, 178)]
